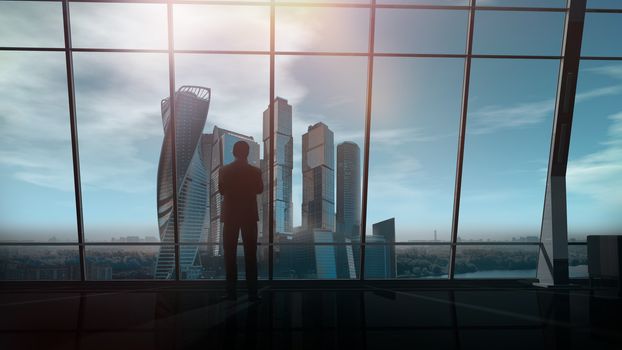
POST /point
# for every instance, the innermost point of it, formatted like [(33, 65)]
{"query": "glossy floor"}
[(366, 317)]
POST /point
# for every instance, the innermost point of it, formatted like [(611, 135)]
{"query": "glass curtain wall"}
[(399, 130)]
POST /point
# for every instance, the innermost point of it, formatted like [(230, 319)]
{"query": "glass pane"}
[(308, 261), (604, 4), (518, 33), (422, 261), (30, 263), (601, 35), (523, 3), (577, 261), (36, 171), (426, 2), (323, 109), (414, 134), (125, 262), (130, 26), (118, 98), (482, 262), (322, 29), (18, 29), (593, 181), (420, 31), (238, 94), (327, 1), (222, 27), (211, 266), (507, 148)]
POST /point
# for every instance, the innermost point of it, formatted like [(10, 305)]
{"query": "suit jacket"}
[(239, 183)]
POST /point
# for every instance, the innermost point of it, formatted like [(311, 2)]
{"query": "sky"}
[(416, 109)]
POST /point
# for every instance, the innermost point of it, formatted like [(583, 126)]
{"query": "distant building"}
[(284, 256), (206, 159), (318, 171), (348, 208), (380, 261), (315, 261), (191, 107), (282, 168), (348, 190), (98, 272)]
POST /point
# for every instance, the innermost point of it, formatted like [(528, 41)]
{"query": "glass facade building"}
[(282, 168), (318, 178), (192, 105)]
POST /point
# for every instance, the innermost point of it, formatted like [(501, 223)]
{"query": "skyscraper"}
[(318, 178), (348, 208), (206, 158), (222, 154), (282, 165), (380, 260), (348, 190), (191, 107)]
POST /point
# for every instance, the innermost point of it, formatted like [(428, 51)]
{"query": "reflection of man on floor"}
[(239, 183)]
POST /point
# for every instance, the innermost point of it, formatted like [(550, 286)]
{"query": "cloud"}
[(611, 70), (492, 118), (597, 174), (34, 119), (118, 103)]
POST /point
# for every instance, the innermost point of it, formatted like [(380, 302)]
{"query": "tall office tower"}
[(349, 189), (318, 178), (348, 208), (206, 158), (380, 259), (222, 154), (315, 261), (282, 165), (191, 107)]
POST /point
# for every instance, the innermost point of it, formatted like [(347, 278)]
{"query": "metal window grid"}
[(472, 8)]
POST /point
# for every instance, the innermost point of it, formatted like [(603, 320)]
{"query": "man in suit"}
[(239, 183)]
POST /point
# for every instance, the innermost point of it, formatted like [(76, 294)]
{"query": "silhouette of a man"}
[(239, 183)]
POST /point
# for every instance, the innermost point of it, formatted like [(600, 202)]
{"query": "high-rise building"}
[(318, 178), (313, 260), (380, 259), (282, 165), (348, 209), (206, 158), (191, 107), (348, 190), (222, 154)]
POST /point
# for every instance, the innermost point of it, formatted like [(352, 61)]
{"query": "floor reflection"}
[(363, 318)]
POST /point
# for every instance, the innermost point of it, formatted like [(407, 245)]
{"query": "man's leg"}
[(230, 242), (249, 236)]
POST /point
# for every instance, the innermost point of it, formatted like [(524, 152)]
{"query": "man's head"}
[(240, 150)]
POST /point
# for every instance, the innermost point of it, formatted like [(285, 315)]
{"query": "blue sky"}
[(415, 116)]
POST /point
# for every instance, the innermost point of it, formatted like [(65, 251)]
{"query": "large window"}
[(405, 138)]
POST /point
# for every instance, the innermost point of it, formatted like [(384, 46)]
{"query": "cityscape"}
[(332, 222), (325, 246)]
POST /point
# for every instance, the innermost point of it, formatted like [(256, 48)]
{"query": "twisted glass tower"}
[(191, 107)]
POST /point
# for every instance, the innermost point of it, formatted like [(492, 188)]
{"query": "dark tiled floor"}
[(288, 318)]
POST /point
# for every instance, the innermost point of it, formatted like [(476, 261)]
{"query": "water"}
[(579, 271)]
